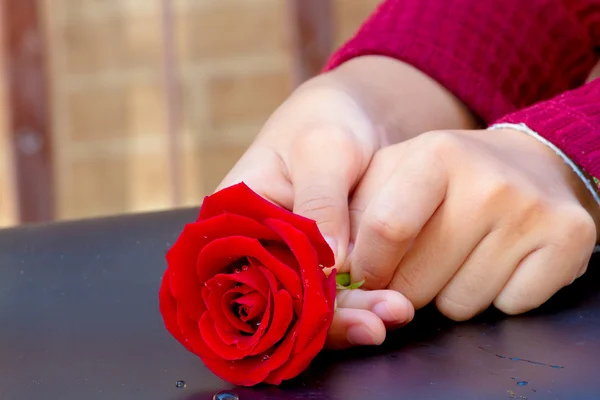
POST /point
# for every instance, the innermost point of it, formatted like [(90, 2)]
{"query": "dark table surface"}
[(79, 319)]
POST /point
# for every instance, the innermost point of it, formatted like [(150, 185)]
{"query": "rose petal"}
[(251, 277), (316, 306), (221, 252), (239, 199), (253, 303), (282, 315), (228, 312), (168, 310), (251, 370), (189, 330), (280, 323), (218, 286), (183, 255), (283, 253), (299, 361), (235, 351)]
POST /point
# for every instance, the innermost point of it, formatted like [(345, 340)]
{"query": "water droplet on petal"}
[(265, 357), (245, 268), (205, 284), (180, 384), (257, 324), (225, 395), (237, 270)]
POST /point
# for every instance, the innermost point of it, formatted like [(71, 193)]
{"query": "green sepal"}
[(343, 282)]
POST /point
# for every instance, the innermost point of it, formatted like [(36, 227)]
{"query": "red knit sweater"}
[(508, 60)]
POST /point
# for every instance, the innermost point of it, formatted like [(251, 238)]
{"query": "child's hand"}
[(314, 149), (471, 218), (307, 158)]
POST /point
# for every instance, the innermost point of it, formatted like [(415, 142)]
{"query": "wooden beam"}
[(27, 95), (312, 36), (172, 101)]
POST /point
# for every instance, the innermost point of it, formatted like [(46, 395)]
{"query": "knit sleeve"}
[(497, 56), (570, 121)]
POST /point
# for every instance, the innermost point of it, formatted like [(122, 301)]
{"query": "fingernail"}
[(359, 335), (383, 311), (333, 245), (396, 312)]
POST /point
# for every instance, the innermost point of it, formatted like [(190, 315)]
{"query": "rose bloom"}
[(245, 288)]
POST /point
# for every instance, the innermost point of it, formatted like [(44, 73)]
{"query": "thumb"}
[(327, 204), (321, 183)]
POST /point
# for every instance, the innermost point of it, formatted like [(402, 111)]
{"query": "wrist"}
[(400, 99), (582, 185)]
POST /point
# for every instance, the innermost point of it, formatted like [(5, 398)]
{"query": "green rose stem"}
[(343, 282)]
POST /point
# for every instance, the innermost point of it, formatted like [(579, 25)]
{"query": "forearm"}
[(496, 56), (404, 101)]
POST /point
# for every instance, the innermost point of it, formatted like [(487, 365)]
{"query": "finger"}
[(438, 251), (324, 167), (395, 216), (390, 306), (538, 276), (261, 169), (484, 273), (355, 327)]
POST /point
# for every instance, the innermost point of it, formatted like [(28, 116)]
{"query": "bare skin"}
[(423, 184)]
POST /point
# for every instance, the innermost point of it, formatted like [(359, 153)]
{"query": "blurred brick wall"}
[(107, 95)]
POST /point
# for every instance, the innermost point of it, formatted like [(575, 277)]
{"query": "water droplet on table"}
[(522, 383), (180, 384), (225, 395)]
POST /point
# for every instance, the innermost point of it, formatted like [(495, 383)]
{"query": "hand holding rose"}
[(315, 148), (471, 218)]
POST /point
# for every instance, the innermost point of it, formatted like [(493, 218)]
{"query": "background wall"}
[(107, 96)]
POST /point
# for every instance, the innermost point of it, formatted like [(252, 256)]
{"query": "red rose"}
[(245, 289)]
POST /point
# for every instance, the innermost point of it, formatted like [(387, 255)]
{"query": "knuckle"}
[(443, 143), (325, 136), (497, 189), (373, 276), (386, 224), (515, 302), (454, 309), (578, 226), (318, 204), (410, 284)]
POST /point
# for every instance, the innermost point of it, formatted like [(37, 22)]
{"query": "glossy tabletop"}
[(79, 319)]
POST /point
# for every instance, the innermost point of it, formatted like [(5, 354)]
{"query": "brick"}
[(245, 99), (112, 184), (115, 110), (95, 45), (205, 168), (231, 29)]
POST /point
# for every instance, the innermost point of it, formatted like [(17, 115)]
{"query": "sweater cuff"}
[(571, 122), (591, 184)]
